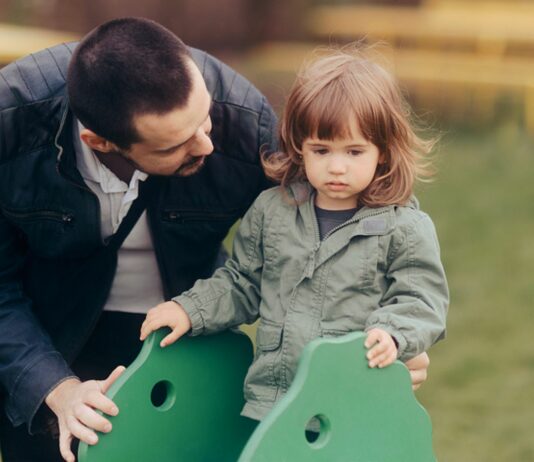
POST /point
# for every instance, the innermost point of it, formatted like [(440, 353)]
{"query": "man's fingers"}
[(418, 377), (91, 419), (99, 401), (65, 439), (105, 384), (81, 432), (418, 368)]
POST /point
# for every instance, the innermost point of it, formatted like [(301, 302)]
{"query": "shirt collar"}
[(91, 169)]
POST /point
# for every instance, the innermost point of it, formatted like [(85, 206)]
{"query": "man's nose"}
[(203, 144)]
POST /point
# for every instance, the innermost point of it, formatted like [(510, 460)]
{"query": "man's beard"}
[(190, 167)]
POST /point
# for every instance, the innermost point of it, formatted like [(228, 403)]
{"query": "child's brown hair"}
[(341, 88)]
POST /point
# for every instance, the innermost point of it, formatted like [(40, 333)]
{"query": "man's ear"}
[(96, 142)]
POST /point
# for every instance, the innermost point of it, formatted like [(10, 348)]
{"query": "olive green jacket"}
[(380, 269)]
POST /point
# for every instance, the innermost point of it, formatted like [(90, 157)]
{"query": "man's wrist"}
[(54, 396)]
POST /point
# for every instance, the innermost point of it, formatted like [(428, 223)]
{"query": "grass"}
[(479, 393)]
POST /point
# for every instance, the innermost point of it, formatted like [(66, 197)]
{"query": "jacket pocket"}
[(198, 229), (46, 232), (263, 379), (268, 337)]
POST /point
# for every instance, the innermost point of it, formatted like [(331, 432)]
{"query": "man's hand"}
[(75, 404), (382, 349), (418, 368), (168, 314)]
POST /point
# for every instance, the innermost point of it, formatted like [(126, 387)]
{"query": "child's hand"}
[(383, 350), (168, 314)]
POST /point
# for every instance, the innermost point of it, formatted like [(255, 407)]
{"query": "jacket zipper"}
[(66, 218), (181, 216), (354, 220)]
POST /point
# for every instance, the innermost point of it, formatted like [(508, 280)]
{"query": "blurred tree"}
[(208, 24)]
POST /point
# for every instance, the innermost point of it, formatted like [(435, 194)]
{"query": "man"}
[(123, 163)]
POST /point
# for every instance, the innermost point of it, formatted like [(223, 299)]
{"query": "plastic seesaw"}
[(182, 403)]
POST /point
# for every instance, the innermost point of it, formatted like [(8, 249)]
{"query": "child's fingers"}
[(150, 325), (377, 351), (173, 336), (145, 329), (384, 359), (382, 350), (373, 336)]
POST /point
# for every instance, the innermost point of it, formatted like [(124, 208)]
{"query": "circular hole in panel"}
[(317, 431), (162, 395)]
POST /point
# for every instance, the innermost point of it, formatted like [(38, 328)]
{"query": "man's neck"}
[(117, 164)]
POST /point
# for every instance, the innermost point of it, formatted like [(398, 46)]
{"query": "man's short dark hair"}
[(126, 67)]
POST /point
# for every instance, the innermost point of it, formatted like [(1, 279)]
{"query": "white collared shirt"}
[(114, 195), (137, 284)]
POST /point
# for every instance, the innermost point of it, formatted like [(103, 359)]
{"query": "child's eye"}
[(321, 152), (354, 152)]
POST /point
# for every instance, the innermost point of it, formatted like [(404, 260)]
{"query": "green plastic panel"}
[(366, 415), (179, 403)]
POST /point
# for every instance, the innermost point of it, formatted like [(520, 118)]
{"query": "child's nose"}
[(337, 165)]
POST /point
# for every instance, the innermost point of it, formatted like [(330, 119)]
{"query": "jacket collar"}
[(371, 220), (368, 221), (63, 142)]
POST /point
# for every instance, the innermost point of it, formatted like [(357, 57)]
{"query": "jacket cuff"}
[(33, 385), (190, 307)]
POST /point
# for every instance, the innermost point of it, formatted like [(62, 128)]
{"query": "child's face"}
[(340, 169)]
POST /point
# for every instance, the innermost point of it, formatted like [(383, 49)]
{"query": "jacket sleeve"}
[(232, 295), (414, 306), (30, 367)]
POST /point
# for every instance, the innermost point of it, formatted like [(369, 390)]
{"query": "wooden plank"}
[(483, 75), (424, 65), (473, 25), (17, 41)]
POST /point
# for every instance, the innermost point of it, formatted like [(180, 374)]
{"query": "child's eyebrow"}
[(362, 145), (321, 144)]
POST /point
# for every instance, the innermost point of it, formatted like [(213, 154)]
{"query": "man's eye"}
[(170, 150)]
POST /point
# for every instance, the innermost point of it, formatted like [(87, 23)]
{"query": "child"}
[(340, 246)]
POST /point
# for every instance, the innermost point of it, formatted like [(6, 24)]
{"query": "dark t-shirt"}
[(329, 219)]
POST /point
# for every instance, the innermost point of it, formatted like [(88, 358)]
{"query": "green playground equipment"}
[(182, 403)]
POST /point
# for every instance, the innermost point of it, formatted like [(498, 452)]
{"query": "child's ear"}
[(382, 159)]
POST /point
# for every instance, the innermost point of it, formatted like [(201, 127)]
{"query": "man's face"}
[(177, 142)]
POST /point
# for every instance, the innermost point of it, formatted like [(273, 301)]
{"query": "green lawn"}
[(480, 390)]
